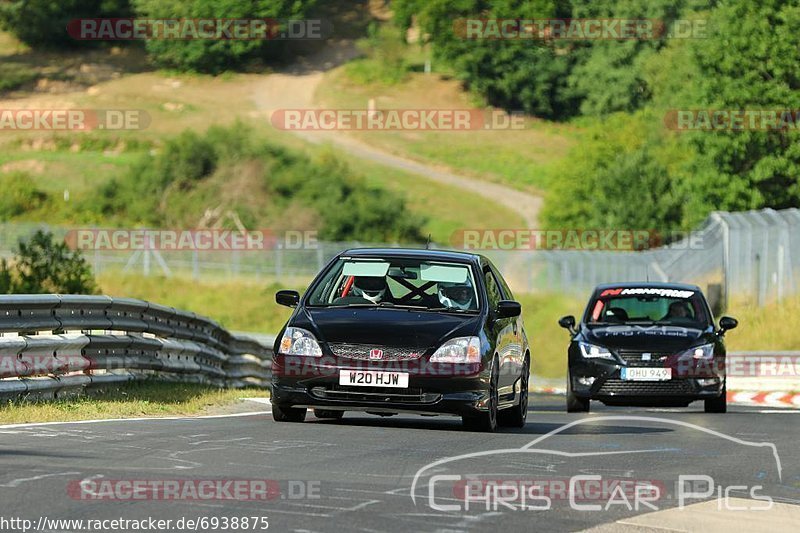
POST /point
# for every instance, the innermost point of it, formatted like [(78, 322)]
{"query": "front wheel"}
[(718, 405), (486, 422), (574, 403), (515, 416), (288, 414)]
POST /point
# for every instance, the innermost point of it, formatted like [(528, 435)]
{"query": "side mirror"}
[(567, 322), (288, 298), (726, 323), (508, 309)]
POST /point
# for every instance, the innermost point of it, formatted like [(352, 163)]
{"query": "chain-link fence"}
[(749, 255)]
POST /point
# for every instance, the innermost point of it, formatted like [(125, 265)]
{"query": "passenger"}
[(678, 310), (456, 295)]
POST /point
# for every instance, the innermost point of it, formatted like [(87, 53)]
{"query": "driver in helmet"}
[(456, 295), (370, 288)]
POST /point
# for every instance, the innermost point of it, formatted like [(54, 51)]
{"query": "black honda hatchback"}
[(388, 331), (651, 344)]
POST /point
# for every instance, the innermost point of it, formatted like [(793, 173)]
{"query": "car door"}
[(503, 332)]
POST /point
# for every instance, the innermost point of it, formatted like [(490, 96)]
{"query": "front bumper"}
[(433, 389), (601, 380)]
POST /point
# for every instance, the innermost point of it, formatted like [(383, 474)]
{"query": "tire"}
[(575, 404), (515, 416), (327, 413), (718, 405), (288, 414), (486, 422)]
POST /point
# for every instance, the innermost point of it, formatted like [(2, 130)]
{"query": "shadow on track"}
[(454, 424)]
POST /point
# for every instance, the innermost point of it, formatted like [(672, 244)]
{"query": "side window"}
[(503, 286), (492, 289)]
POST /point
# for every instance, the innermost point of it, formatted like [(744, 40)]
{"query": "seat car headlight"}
[(298, 341), (706, 351), (592, 351), (458, 350)]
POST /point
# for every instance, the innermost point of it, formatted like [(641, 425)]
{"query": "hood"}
[(643, 337), (386, 327)]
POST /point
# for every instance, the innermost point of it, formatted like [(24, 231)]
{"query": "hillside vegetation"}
[(742, 55)]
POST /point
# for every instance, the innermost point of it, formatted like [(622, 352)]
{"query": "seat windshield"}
[(663, 306)]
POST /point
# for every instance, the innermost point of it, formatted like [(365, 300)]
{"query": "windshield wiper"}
[(385, 305), (452, 310), (402, 306)]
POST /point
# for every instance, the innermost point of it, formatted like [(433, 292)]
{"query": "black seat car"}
[(389, 331), (651, 344)]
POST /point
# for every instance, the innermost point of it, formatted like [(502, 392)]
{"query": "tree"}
[(43, 265), (528, 75), (215, 55), (748, 62), (43, 23)]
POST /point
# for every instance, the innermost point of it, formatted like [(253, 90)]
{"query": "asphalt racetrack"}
[(358, 474)]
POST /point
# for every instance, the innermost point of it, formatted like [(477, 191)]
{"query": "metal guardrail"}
[(52, 344)]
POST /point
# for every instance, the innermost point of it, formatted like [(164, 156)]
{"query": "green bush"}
[(752, 53), (555, 79), (20, 195), (44, 22), (13, 76), (620, 178), (385, 60), (192, 173), (214, 56), (511, 74), (44, 265)]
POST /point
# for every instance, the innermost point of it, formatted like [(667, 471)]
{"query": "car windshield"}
[(634, 305), (397, 282)]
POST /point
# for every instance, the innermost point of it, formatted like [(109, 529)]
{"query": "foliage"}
[(20, 195), (620, 179), (43, 23), (749, 62), (43, 265), (218, 55), (193, 171), (385, 60), (13, 76)]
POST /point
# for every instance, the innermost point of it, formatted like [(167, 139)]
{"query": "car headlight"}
[(298, 341), (706, 351), (458, 350), (592, 351)]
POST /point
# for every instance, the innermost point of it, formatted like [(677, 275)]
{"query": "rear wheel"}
[(718, 405), (515, 416), (487, 421), (328, 413), (574, 403), (288, 414)]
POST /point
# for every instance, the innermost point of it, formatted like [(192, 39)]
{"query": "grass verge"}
[(240, 305), (765, 328), (131, 400)]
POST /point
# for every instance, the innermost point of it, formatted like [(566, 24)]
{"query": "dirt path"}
[(294, 89)]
